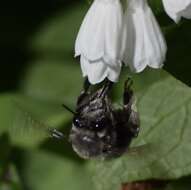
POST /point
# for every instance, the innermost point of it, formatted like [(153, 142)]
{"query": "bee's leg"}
[(86, 85), (133, 116), (106, 88), (128, 93), (84, 92)]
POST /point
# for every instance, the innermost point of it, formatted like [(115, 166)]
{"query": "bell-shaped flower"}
[(98, 41), (143, 42), (177, 9)]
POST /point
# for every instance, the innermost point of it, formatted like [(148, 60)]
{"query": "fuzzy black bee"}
[(99, 130)]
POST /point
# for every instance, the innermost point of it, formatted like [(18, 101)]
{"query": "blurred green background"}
[(38, 73)]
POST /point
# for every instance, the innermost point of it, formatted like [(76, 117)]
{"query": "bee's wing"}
[(31, 130)]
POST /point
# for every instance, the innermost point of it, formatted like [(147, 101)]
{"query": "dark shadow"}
[(18, 159), (182, 183), (5, 148), (19, 20), (179, 184), (178, 61), (6, 176)]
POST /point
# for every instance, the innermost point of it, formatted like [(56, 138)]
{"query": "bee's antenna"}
[(67, 108), (107, 87), (56, 134)]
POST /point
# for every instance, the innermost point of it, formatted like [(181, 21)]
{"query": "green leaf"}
[(57, 35), (53, 81), (164, 109), (28, 115), (55, 78), (27, 120), (45, 171), (11, 180), (163, 104)]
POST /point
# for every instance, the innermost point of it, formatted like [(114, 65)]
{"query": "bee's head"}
[(91, 137)]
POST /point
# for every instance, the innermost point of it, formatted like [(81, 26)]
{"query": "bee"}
[(98, 129)]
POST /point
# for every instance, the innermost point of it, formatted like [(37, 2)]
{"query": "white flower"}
[(98, 41), (177, 9), (143, 41)]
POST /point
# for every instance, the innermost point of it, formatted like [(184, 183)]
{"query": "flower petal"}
[(177, 9), (98, 41), (97, 71), (90, 39), (113, 32), (144, 43), (99, 32)]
